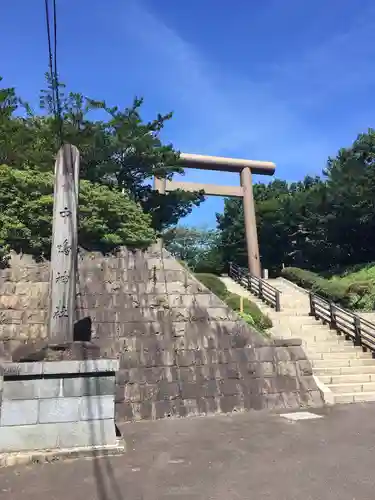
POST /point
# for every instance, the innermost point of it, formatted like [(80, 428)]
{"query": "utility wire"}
[(57, 93), (52, 56)]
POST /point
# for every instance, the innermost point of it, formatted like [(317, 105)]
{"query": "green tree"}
[(351, 186), (321, 223), (107, 218), (197, 247), (285, 223), (119, 149)]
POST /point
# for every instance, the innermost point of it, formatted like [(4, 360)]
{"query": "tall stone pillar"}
[(64, 246), (250, 223)]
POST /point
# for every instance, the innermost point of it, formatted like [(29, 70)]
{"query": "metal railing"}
[(259, 287), (355, 328)]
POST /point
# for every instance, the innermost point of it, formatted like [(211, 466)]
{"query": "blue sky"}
[(288, 81)]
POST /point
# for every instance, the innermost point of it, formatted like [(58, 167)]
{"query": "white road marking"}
[(300, 415)]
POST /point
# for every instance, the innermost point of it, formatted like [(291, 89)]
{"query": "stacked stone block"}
[(181, 350), (57, 405)]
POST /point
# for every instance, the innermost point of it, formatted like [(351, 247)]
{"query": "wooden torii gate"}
[(245, 168)]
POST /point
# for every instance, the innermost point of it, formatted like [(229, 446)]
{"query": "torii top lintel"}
[(222, 164)]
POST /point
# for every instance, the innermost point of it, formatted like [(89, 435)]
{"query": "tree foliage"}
[(107, 218), (120, 154), (197, 247), (321, 223)]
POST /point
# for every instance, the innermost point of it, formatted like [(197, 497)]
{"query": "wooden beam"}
[(222, 164), (209, 189)]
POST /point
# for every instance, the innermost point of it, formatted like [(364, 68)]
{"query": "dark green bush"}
[(361, 288), (210, 263), (214, 284), (335, 291), (300, 276), (261, 321)]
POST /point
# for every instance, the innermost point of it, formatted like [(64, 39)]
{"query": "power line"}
[(57, 95), (52, 56)]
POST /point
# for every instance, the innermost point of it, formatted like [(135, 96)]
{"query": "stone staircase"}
[(344, 372)]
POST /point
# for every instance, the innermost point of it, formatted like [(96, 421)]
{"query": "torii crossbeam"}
[(243, 167)]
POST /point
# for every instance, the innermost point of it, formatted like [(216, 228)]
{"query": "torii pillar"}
[(243, 167)]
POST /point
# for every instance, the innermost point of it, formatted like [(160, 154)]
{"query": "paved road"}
[(245, 456)]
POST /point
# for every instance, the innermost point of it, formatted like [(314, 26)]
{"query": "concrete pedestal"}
[(57, 405)]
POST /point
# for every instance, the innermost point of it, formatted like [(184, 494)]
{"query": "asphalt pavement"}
[(256, 455)]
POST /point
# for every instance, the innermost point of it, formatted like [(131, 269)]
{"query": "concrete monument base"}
[(66, 407)]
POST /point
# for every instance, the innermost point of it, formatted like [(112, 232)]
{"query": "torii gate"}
[(243, 167)]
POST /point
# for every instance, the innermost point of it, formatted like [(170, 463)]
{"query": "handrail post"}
[(277, 303), (260, 289), (312, 306), (249, 282), (332, 323), (357, 331), (230, 269)]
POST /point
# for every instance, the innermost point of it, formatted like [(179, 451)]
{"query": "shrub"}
[(247, 318), (251, 312), (361, 288), (300, 276), (261, 321), (214, 284), (333, 290), (4, 256)]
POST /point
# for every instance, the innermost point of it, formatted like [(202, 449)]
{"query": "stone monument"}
[(59, 399), (64, 247)]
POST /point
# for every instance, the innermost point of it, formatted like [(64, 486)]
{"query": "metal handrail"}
[(258, 286), (355, 328)]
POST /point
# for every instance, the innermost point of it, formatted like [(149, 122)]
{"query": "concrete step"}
[(328, 363), (316, 327), (345, 370), (290, 300), (325, 334), (322, 348), (309, 339), (305, 319), (288, 313), (354, 397), (351, 387), (348, 378), (338, 355), (330, 344), (305, 340), (290, 322), (312, 337), (305, 329)]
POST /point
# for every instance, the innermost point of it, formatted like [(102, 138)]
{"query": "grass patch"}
[(258, 319), (252, 315), (214, 284)]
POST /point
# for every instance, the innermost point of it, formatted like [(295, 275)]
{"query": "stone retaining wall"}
[(207, 381), (181, 350)]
